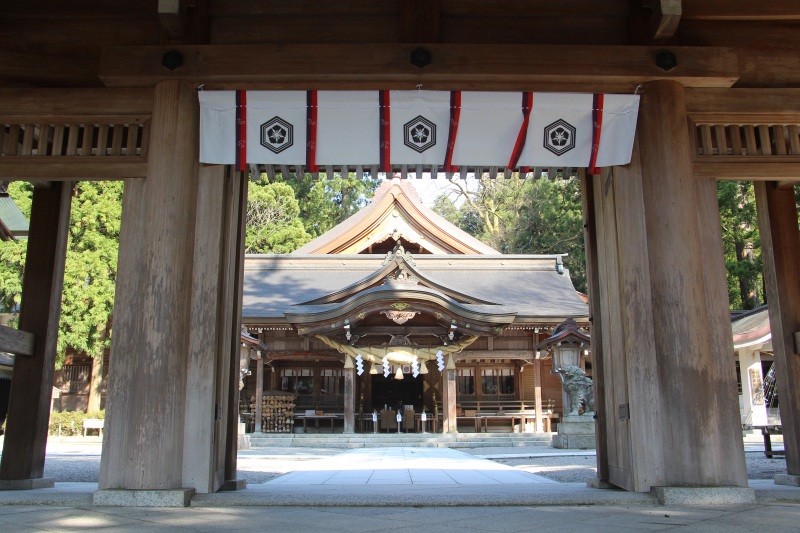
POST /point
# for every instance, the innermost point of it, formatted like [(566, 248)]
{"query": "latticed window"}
[(76, 378), (497, 381), (466, 381), (331, 382), (298, 380), (331, 390)]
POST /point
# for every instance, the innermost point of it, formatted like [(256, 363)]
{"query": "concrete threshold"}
[(422, 496), (266, 495)]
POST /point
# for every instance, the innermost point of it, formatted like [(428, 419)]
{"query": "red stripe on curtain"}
[(597, 120), (527, 104), (455, 116), (311, 132), (241, 131), (385, 134)]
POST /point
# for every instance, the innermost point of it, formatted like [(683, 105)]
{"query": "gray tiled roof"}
[(527, 285), (12, 218)]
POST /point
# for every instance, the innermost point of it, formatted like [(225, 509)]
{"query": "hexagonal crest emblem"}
[(419, 134), (277, 135), (559, 137)]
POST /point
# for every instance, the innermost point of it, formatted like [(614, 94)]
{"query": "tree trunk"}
[(96, 386)]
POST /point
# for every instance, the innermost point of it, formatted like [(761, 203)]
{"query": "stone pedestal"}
[(576, 431), (683, 496), (787, 479), (143, 498), (244, 438), (27, 484)]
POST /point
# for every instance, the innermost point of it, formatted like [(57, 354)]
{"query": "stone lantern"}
[(565, 347)]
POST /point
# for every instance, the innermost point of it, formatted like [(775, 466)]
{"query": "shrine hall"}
[(367, 316)]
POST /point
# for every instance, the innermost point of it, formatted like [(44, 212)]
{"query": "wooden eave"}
[(355, 309)]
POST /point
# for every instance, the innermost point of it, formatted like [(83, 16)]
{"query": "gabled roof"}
[(528, 286), (395, 211)]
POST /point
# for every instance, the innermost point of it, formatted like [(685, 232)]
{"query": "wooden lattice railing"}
[(746, 140), (73, 139)]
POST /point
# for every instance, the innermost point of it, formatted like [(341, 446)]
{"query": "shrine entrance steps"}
[(413, 440)]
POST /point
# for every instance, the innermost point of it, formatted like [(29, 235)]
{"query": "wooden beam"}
[(743, 106), (664, 19), (68, 168), (496, 354), (744, 170), (781, 10), (16, 341), (25, 69), (606, 68), (50, 104)]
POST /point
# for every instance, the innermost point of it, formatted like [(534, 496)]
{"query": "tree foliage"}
[(290, 211), (741, 244), (521, 216), (91, 269), (12, 253), (273, 225), (326, 201), (91, 265), (551, 222)]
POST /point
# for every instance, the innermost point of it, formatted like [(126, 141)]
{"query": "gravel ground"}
[(571, 469), (260, 465)]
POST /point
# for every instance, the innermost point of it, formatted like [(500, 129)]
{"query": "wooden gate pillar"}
[(176, 316), (780, 248), (670, 410), (32, 385)]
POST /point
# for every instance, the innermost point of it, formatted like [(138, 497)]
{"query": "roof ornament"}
[(398, 252), (401, 276), (400, 317)]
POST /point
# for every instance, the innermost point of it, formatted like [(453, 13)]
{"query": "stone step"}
[(465, 440)]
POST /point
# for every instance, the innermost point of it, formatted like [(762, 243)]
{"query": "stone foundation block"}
[(681, 496), (597, 483), (27, 484), (233, 484), (579, 442), (787, 479), (143, 498)]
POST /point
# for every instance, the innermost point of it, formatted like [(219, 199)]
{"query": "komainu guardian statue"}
[(578, 388)]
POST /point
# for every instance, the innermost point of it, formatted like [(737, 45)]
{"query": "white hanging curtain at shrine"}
[(386, 128)]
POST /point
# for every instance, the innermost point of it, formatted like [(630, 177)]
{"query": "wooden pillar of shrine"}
[(171, 399), (449, 415), (670, 407), (28, 419), (259, 407), (780, 249), (537, 394), (349, 399)]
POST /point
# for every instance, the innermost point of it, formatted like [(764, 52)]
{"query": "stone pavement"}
[(433, 489)]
